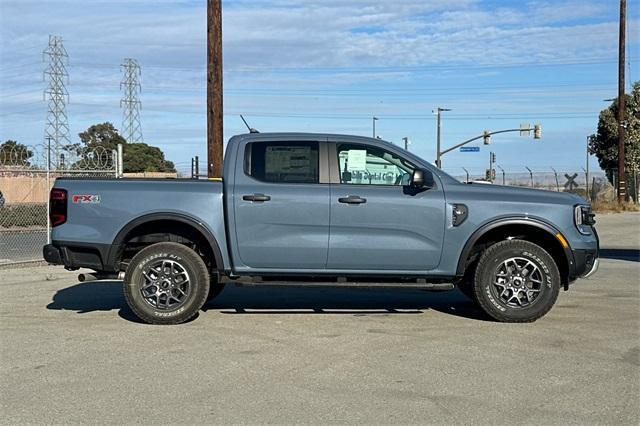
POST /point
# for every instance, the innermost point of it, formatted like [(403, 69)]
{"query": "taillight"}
[(58, 206)]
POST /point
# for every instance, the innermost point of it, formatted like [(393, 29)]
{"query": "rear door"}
[(281, 207), (377, 223)]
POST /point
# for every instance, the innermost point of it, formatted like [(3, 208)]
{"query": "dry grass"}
[(614, 207)]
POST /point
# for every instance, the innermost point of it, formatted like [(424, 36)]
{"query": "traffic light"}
[(493, 175), (537, 131), (493, 157), (487, 137), (487, 174)]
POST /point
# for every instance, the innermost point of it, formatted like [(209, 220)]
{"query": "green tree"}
[(140, 157), (137, 157), (604, 144), (103, 135), (13, 153)]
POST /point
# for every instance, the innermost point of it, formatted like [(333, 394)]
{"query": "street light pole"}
[(438, 114), (467, 172)]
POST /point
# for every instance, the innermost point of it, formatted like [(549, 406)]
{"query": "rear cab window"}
[(282, 162)]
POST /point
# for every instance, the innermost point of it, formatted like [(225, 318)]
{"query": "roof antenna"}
[(251, 129)]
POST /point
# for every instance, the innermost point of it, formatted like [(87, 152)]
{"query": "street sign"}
[(470, 149)]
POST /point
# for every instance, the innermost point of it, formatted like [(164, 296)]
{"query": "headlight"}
[(583, 218)]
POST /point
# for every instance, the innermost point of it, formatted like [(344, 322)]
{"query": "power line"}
[(377, 69), (130, 104)]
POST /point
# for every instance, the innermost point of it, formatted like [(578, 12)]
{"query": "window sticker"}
[(286, 159), (357, 160)]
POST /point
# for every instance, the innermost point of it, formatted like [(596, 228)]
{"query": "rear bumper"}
[(77, 255), (52, 255)]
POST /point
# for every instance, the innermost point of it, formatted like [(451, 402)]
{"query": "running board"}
[(256, 281)]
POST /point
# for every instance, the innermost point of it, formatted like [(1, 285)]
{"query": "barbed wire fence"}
[(27, 174), (596, 189)]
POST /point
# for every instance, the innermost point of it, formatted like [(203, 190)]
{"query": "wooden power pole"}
[(214, 89), (621, 119)]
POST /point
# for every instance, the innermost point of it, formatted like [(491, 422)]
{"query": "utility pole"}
[(587, 170), (438, 114), (214, 89), (621, 122), (374, 126), (57, 124), (130, 104)]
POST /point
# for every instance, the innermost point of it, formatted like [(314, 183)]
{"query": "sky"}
[(330, 66)]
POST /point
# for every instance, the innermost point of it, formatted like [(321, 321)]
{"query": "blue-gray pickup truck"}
[(322, 209)]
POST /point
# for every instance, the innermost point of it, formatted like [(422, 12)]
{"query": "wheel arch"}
[(529, 229), (184, 221)]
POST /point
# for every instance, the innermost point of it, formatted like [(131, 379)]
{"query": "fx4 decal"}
[(85, 199)]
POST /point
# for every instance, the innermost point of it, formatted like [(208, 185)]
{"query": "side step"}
[(257, 281)]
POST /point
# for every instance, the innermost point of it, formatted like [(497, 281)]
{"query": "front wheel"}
[(166, 283), (516, 281)]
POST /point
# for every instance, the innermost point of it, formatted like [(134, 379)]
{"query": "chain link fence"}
[(27, 174)]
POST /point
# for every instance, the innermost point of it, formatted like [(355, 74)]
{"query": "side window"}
[(282, 162), (364, 165)]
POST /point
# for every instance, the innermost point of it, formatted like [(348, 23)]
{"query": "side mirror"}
[(422, 179)]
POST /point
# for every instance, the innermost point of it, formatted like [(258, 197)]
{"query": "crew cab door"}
[(281, 208), (377, 223)]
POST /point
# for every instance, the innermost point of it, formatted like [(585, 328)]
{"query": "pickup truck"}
[(322, 209)]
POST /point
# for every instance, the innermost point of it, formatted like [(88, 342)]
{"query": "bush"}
[(614, 207), (23, 215)]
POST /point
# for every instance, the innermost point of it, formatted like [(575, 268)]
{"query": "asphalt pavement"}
[(74, 353)]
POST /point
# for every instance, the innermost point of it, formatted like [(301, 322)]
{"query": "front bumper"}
[(587, 261)]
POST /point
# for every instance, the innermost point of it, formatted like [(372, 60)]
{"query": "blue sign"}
[(470, 149)]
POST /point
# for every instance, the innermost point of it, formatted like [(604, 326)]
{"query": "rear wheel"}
[(166, 283), (516, 281)]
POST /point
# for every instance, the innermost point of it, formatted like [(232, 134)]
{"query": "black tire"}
[(215, 288), (510, 294), (182, 280)]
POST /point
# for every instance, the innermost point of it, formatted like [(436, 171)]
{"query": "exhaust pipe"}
[(96, 276)]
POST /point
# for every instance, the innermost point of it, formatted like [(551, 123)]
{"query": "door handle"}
[(352, 199), (256, 197)]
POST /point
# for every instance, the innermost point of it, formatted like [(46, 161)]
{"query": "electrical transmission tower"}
[(56, 95), (131, 127)]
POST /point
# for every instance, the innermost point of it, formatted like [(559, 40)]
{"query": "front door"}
[(377, 223), (281, 208)]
